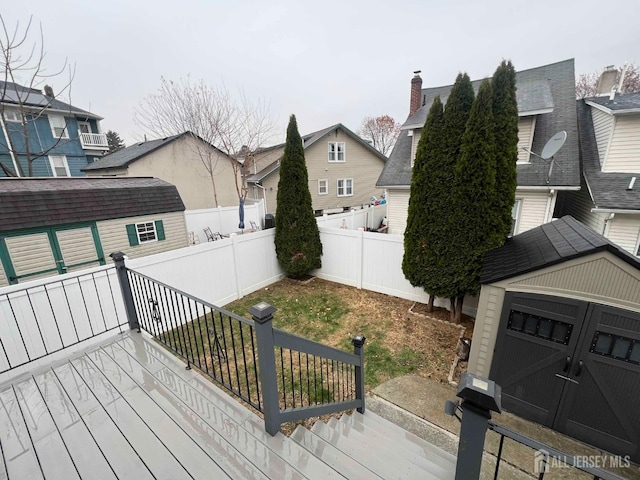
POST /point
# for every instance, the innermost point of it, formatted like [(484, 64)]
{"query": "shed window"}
[(616, 346), (540, 327), (145, 232)]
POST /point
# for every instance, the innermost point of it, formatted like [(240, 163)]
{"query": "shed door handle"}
[(567, 364), (579, 369)]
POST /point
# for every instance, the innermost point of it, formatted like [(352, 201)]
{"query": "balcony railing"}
[(93, 140)]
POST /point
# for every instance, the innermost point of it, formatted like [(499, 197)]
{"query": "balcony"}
[(91, 141)]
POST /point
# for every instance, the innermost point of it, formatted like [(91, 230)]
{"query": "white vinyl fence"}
[(367, 218), (223, 219)]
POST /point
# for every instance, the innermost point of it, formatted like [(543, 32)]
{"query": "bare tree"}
[(21, 98), (235, 125), (587, 83), (382, 132)]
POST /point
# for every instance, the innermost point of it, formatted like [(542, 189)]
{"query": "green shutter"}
[(132, 234), (159, 230)]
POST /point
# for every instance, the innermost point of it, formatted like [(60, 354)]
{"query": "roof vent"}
[(631, 183)]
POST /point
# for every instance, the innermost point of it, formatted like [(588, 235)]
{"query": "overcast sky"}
[(326, 61)]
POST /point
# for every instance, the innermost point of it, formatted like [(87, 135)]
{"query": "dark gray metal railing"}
[(284, 376), (44, 319)]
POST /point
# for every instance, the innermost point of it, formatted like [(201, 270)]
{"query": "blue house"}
[(60, 139)]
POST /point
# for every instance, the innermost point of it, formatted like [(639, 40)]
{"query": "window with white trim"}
[(84, 127), (58, 126), (59, 165), (345, 187), (323, 186), (146, 232), (336, 152), (12, 116), (515, 215)]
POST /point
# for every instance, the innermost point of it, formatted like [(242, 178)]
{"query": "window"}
[(58, 126), (323, 187), (59, 165), (12, 116), (145, 232), (84, 127), (540, 327), (515, 214), (616, 346), (336, 151), (345, 187)]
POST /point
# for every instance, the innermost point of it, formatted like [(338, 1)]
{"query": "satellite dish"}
[(554, 144)]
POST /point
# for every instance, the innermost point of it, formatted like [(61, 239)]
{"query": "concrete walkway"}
[(417, 404)]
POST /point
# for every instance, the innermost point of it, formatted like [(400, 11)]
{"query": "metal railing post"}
[(125, 288), (262, 314), (358, 349)]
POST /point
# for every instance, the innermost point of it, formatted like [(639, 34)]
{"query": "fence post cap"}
[(358, 340), (117, 256), (262, 311)]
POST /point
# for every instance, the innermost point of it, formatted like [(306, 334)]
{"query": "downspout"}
[(605, 228), (9, 146), (548, 214)]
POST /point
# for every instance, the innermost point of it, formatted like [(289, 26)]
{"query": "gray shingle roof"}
[(546, 245), (608, 190), (309, 139), (124, 157), (620, 103), (33, 97), (541, 88), (36, 202)]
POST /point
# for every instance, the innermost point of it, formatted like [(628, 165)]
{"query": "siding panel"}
[(398, 208), (30, 254), (624, 231), (113, 235), (624, 152), (578, 205), (525, 137), (602, 123), (3, 277), (77, 246), (532, 209)]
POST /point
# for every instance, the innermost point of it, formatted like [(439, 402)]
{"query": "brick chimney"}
[(416, 92)]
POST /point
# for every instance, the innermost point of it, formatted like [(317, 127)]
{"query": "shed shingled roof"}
[(540, 88), (37, 202), (547, 245)]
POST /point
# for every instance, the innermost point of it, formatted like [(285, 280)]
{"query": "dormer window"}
[(12, 116), (336, 152)]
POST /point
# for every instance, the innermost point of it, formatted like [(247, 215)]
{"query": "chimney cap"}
[(417, 72)]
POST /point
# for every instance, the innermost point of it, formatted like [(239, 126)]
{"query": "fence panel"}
[(368, 217), (223, 219), (341, 256)]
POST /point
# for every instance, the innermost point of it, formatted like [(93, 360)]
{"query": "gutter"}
[(550, 188), (615, 210)]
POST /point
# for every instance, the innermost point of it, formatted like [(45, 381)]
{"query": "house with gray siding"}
[(609, 201), (60, 138), (52, 226), (342, 169), (546, 106)]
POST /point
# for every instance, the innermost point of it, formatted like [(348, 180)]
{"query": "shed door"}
[(537, 335), (586, 385)]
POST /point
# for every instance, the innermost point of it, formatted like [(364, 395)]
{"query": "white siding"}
[(30, 254), (533, 209), (578, 205), (398, 209), (414, 143), (77, 246), (113, 235), (624, 151), (602, 123), (3, 277), (623, 230), (526, 127)]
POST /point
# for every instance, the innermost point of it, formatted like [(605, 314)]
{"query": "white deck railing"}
[(93, 140)]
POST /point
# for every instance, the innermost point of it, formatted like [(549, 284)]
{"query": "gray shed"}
[(558, 328)]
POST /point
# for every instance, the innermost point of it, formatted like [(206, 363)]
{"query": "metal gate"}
[(573, 366), (43, 252)]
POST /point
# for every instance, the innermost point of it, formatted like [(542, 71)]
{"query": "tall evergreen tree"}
[(419, 258), (297, 239), (474, 231), (114, 142), (505, 117)]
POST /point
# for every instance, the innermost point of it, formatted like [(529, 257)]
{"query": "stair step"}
[(330, 455), (399, 448), (380, 427), (374, 454)]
